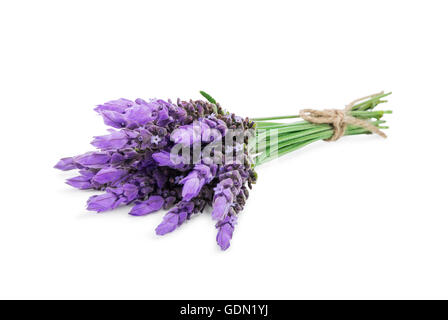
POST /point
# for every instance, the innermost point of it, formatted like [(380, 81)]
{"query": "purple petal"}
[(224, 236), (116, 158), (114, 140), (92, 159), (226, 183), (153, 204), (114, 119), (164, 158), (102, 202), (191, 188), (119, 105), (228, 194), (163, 117), (65, 164), (80, 182), (108, 175), (220, 208), (186, 135), (169, 223), (140, 114), (130, 191)]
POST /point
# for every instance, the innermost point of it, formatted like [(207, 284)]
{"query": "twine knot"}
[(340, 118)]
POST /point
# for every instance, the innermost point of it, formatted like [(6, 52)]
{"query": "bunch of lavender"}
[(135, 163), (186, 156)]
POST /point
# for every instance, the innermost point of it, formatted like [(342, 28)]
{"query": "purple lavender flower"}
[(204, 130), (152, 137), (114, 197), (114, 119), (104, 202), (183, 211), (119, 105), (187, 135), (164, 118), (108, 175), (153, 204), (124, 113), (165, 158), (213, 129), (141, 114), (92, 159), (114, 140), (130, 191), (195, 180), (225, 231), (65, 164), (221, 205), (84, 181), (175, 217), (134, 164), (225, 193)]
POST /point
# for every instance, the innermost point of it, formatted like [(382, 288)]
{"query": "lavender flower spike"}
[(83, 181), (92, 159), (195, 180), (104, 202), (153, 204), (225, 231), (119, 106), (114, 140), (223, 199), (65, 164), (175, 217)]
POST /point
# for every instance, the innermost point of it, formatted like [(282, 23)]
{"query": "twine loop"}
[(340, 118)]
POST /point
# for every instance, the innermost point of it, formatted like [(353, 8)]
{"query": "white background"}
[(360, 218)]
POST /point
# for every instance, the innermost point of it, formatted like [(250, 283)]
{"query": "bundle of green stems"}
[(276, 137)]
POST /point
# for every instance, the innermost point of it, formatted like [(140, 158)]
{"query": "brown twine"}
[(339, 119)]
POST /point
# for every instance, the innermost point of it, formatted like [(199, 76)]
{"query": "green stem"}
[(295, 135), (302, 138), (267, 124), (275, 118)]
